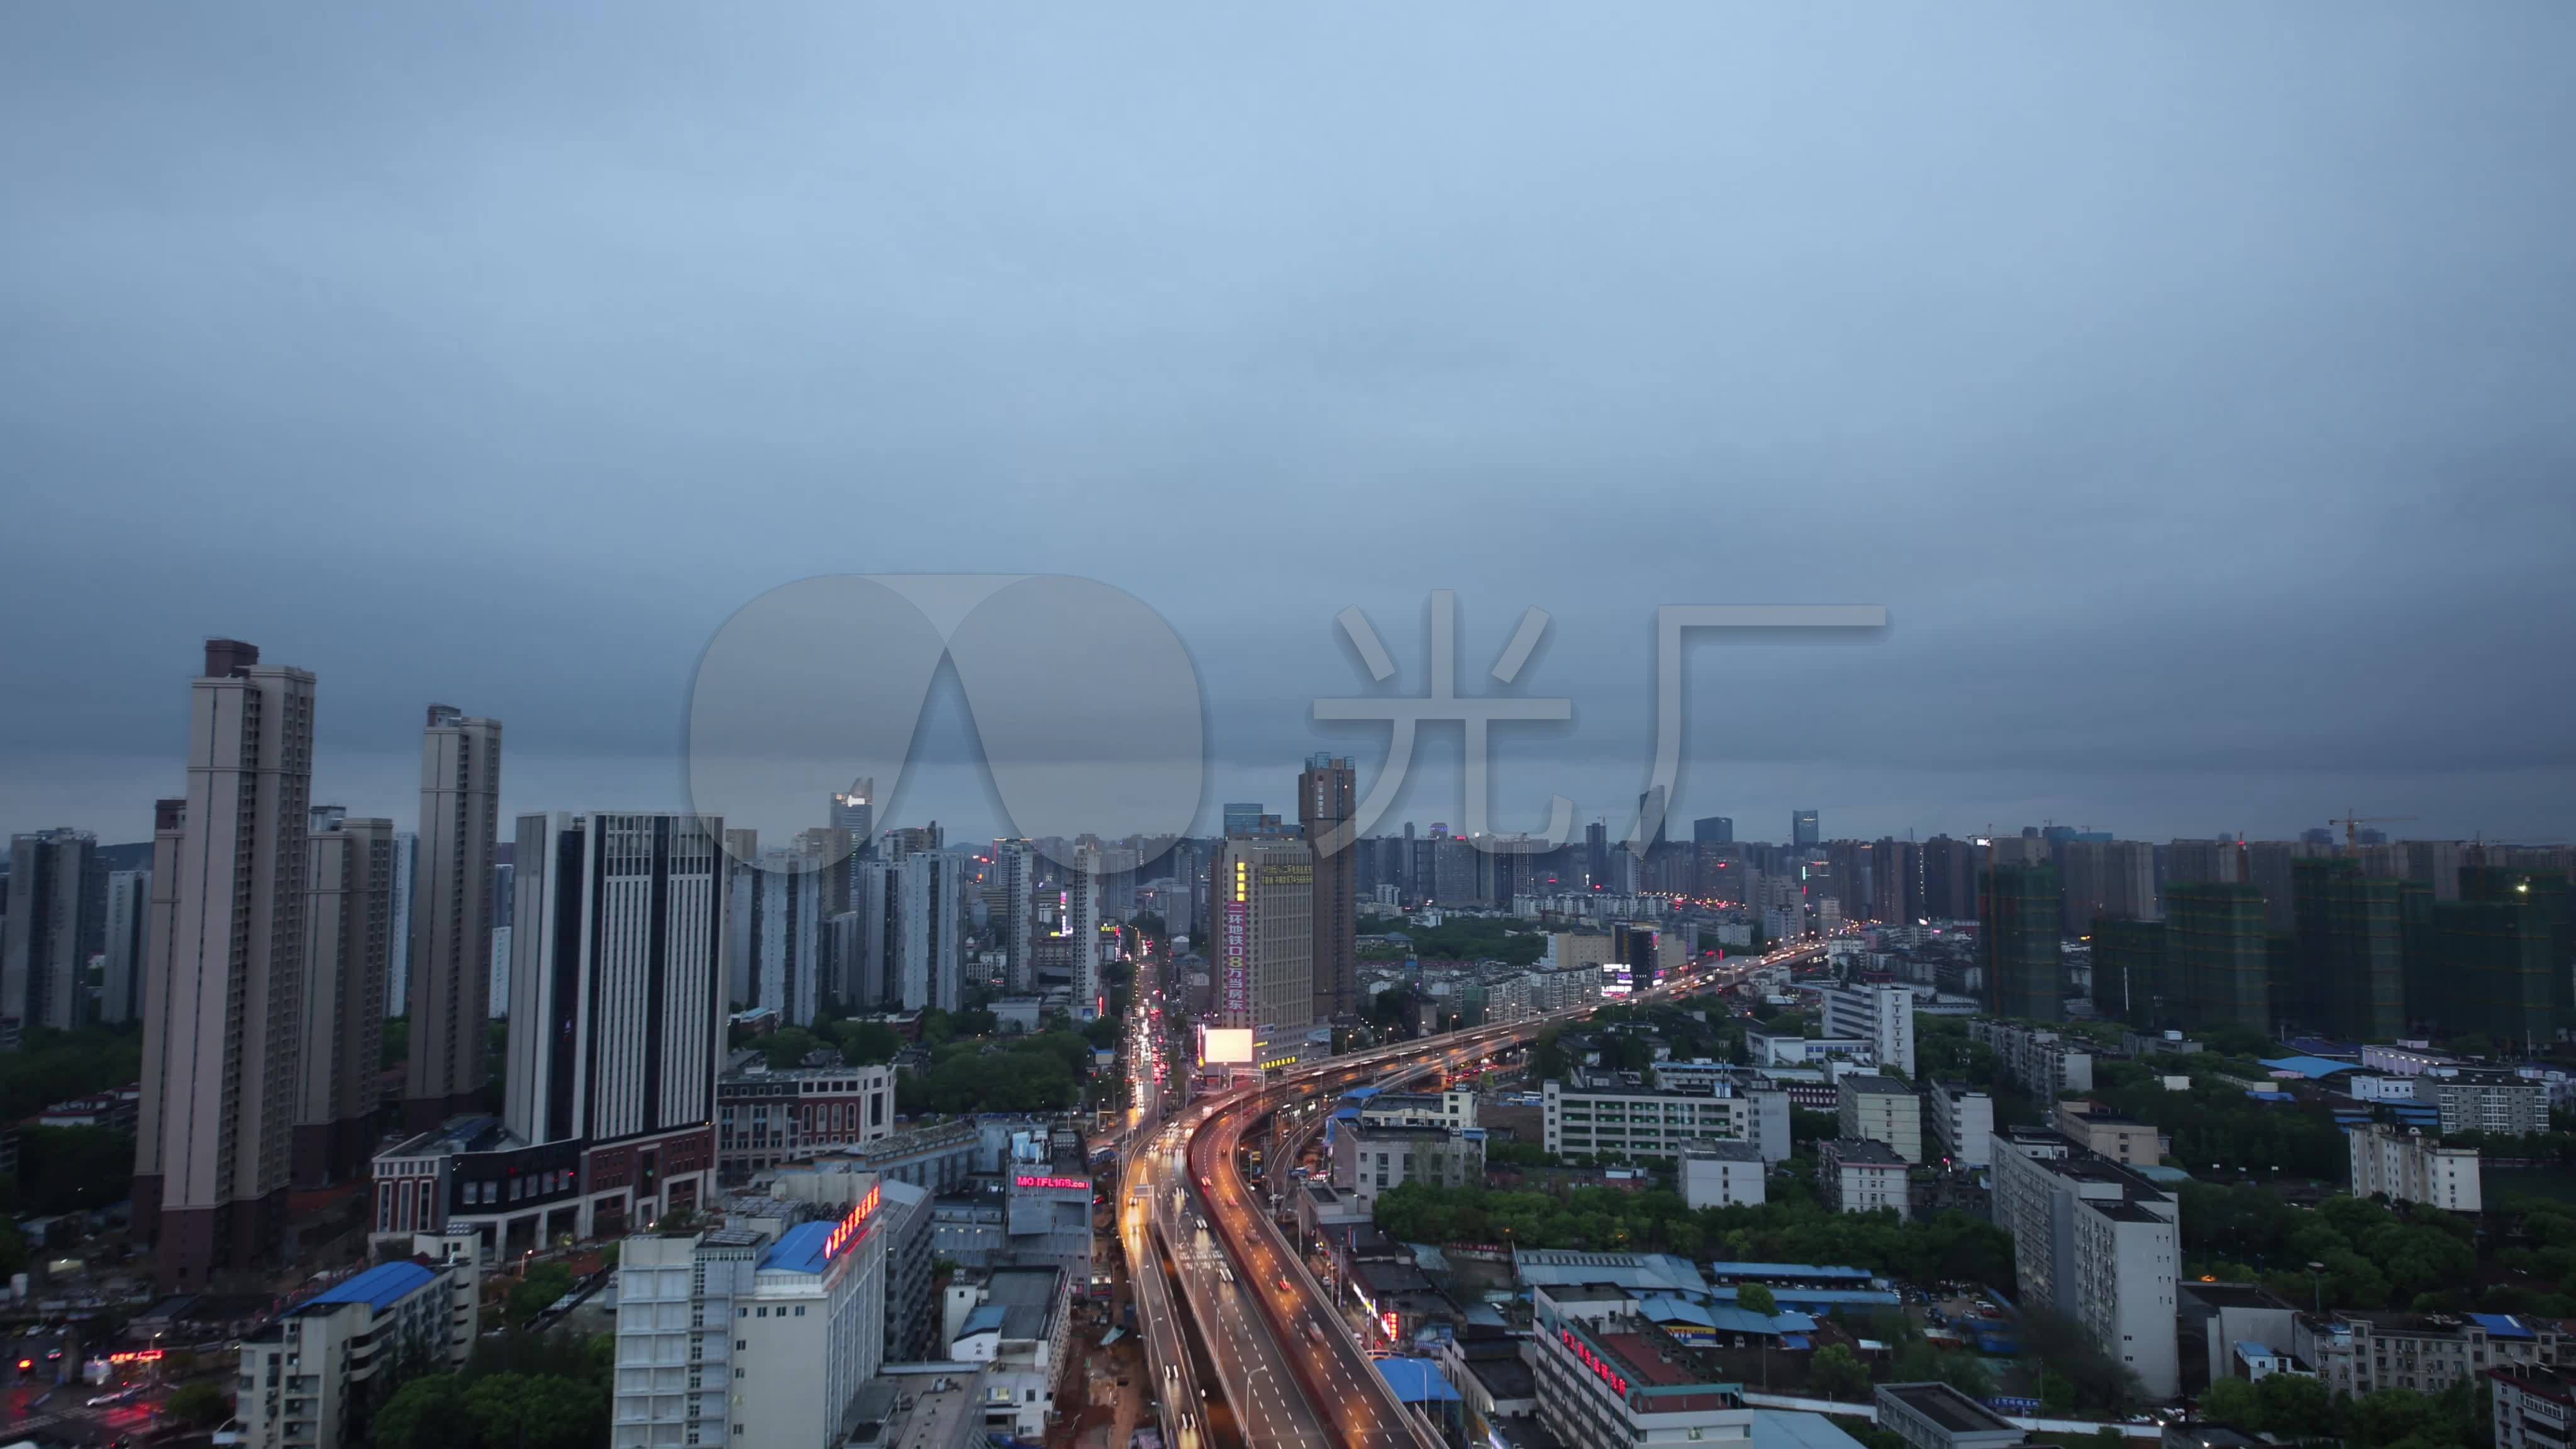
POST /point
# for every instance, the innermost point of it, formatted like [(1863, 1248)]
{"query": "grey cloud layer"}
[(2189, 383)]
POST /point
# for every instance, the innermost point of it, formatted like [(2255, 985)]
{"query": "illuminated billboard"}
[(1238, 965), (1617, 979), (1226, 1046)]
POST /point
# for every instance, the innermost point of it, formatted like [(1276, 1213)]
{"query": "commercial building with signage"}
[(749, 1333), (1604, 1382), (1265, 928)]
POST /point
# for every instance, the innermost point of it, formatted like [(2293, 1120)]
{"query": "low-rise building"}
[(2098, 1243), (1937, 1416), (1620, 1117), (1368, 1160), (1722, 1174), (1883, 1016), (2407, 1166), (1789, 1049), (2361, 1353), (1860, 1174), (2105, 1133), (2212, 1318), (2534, 1408), (766, 1117), (1963, 1123), (2039, 1062), (2486, 1099), (1017, 1327), (1454, 1109), (1881, 1109), (1605, 1379), (305, 1374)]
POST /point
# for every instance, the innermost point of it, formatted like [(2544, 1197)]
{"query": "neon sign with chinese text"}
[(852, 1228), (1069, 1184), (1617, 1381)]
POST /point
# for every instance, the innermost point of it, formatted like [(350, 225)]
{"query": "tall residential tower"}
[(223, 1005), (451, 928)]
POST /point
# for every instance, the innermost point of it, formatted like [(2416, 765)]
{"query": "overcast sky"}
[(2190, 383)]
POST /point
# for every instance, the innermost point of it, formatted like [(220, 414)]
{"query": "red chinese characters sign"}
[(1617, 1381), (853, 1227)]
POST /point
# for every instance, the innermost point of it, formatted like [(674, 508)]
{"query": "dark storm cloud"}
[(2188, 382)]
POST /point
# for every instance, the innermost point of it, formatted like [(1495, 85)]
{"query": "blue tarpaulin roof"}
[(378, 1287), (2271, 1096), (1416, 1380), (2501, 1325), (2310, 1067)]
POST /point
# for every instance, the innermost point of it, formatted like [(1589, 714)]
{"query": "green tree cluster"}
[(2292, 1408), (2373, 1256), (538, 1290), (1041, 1073), (50, 1066), (1464, 938), (2215, 1125), (1794, 1227), (519, 1391)]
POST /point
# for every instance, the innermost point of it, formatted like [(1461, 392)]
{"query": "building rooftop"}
[(1948, 1408), (1809, 1271), (984, 1318), (1416, 1380), (1720, 1150), (1872, 1082), (801, 1249), (1027, 1297), (379, 1287), (461, 1134), (1868, 1151)]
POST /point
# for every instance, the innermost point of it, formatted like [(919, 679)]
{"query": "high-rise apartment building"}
[(2215, 956), (1080, 918), (223, 1004), (783, 891), (398, 968), (910, 954), (1242, 817), (1949, 875), (1804, 831), (2018, 941), (496, 992), (2349, 949), (618, 1010), (2129, 971), (1325, 791), (348, 945), (120, 988), (56, 921), (2504, 951), (1016, 861), (2113, 878), (452, 919), (1713, 830), (1264, 956)]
